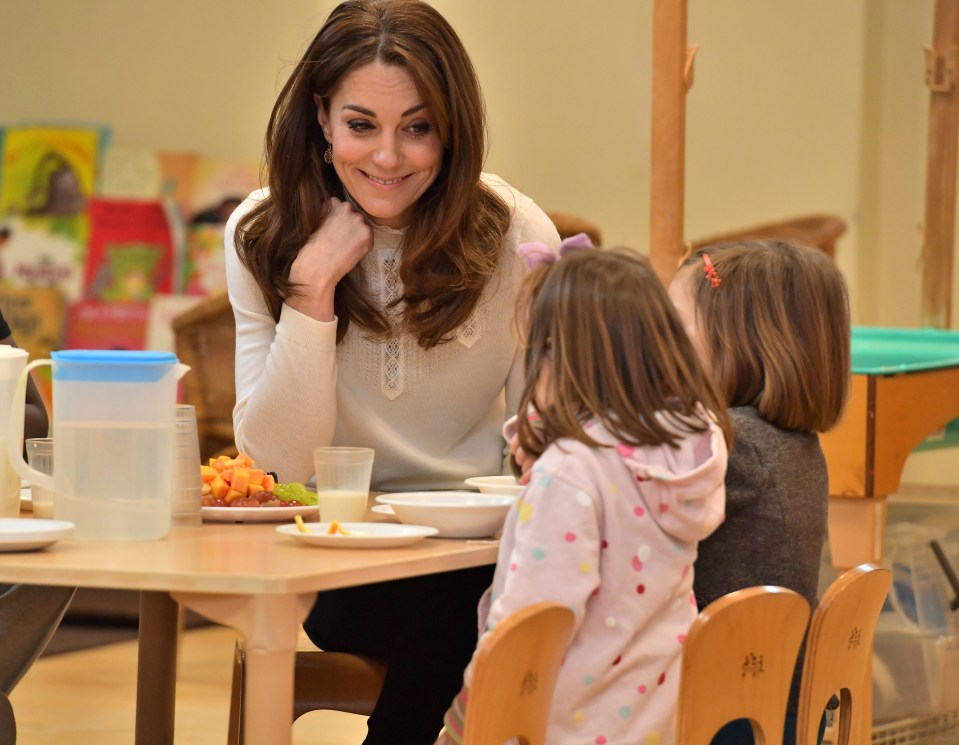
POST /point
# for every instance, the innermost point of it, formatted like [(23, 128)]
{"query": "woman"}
[(373, 288)]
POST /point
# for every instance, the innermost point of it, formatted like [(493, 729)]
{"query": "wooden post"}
[(939, 230), (672, 72)]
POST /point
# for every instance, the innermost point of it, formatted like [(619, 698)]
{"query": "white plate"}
[(495, 484), (384, 509), (363, 535), (256, 514), (29, 533)]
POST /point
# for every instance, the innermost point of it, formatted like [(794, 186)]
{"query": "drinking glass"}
[(40, 456), (187, 498), (343, 482)]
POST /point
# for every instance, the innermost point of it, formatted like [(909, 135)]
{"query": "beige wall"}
[(798, 105)]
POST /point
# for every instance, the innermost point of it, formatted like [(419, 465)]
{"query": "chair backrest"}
[(819, 231), (514, 675), (839, 655), (568, 225), (738, 663), (205, 339)]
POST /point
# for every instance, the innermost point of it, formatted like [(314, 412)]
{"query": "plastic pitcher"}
[(12, 363), (113, 432)]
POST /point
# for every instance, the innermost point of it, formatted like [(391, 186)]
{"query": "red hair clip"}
[(711, 273)]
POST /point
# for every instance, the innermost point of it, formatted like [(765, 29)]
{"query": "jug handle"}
[(15, 431)]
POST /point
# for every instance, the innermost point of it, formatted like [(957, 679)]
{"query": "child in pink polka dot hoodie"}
[(630, 441)]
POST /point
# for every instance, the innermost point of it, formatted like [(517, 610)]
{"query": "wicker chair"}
[(567, 225), (205, 339), (820, 231)]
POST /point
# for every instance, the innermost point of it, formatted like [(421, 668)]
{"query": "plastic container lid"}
[(888, 351), (112, 365)]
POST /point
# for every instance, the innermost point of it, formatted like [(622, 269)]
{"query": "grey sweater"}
[(777, 494)]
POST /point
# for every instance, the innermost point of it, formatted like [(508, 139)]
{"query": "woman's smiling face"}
[(386, 149)]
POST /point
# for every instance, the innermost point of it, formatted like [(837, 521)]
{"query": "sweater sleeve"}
[(285, 374)]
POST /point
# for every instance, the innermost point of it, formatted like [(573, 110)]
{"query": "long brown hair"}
[(776, 330), (604, 333), (451, 248)]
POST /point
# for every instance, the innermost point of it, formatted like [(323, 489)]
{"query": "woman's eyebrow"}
[(367, 112)]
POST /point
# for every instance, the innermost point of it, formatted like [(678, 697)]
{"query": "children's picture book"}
[(131, 254), (49, 170), (44, 252), (37, 319), (204, 267), (93, 324)]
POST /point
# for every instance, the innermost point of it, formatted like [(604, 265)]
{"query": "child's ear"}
[(686, 254), (321, 116)]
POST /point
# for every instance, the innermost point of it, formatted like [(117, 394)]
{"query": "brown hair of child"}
[(775, 330), (608, 344)]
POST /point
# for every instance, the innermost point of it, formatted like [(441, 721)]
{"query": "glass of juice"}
[(343, 482)]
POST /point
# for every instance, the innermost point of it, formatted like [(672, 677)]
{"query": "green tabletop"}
[(888, 351)]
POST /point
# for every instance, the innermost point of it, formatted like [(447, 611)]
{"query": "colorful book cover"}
[(93, 324), (131, 251), (44, 252), (49, 171), (37, 318), (204, 268), (219, 185)]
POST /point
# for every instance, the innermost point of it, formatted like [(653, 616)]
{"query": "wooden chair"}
[(205, 339), (820, 231), (839, 655), (514, 675), (738, 663)]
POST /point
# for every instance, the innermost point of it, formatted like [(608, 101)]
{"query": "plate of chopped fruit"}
[(236, 491), (355, 535)]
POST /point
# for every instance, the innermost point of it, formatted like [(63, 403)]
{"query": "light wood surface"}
[(738, 662), (246, 577), (839, 655), (514, 676), (942, 61)]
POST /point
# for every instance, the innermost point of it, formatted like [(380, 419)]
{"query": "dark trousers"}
[(424, 626)]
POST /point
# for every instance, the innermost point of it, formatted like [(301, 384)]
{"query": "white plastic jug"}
[(113, 431), (12, 362)]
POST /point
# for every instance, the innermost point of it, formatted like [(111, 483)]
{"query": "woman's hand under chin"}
[(328, 255)]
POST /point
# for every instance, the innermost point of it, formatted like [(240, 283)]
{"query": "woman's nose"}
[(387, 153)]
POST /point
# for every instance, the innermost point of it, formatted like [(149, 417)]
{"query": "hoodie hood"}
[(684, 487)]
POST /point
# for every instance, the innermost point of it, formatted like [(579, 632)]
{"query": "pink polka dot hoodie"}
[(612, 533)]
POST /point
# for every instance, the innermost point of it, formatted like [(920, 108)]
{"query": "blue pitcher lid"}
[(111, 365)]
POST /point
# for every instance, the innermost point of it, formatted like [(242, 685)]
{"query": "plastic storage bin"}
[(916, 645)]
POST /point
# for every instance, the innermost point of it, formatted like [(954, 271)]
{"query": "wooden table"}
[(247, 577), (886, 417)]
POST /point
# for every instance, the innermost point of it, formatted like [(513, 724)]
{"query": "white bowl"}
[(495, 484), (456, 514)]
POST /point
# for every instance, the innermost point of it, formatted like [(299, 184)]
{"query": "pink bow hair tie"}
[(536, 253)]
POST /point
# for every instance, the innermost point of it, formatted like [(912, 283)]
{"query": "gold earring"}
[(328, 155)]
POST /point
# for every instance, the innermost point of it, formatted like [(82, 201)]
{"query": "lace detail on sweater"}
[(395, 364)]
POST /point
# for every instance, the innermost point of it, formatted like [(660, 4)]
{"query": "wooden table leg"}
[(156, 669), (857, 526), (269, 624)]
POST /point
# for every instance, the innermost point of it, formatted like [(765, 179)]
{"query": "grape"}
[(300, 493)]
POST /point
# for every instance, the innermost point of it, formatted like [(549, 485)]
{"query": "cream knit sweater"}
[(434, 417)]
